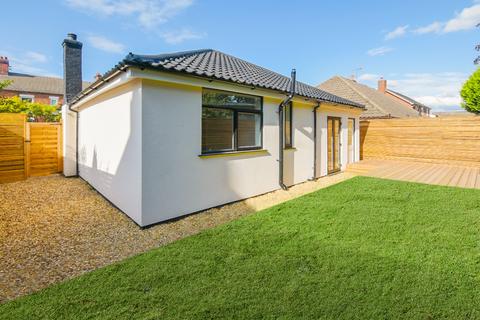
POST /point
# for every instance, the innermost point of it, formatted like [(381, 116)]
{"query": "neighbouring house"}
[(378, 105), (163, 136), (45, 90), (422, 109)]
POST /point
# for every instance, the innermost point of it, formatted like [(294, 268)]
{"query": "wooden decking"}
[(430, 173)]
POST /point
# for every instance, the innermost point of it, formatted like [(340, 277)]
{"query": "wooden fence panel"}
[(438, 140), (28, 148), (12, 147), (45, 148)]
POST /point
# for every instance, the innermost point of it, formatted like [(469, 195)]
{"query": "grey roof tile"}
[(214, 64)]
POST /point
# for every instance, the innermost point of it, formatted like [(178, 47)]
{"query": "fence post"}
[(27, 150), (59, 148)]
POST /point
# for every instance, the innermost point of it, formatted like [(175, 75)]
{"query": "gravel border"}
[(54, 228)]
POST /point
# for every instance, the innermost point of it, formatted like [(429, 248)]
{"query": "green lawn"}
[(365, 248)]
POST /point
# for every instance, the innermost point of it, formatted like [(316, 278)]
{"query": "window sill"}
[(232, 153), (290, 149)]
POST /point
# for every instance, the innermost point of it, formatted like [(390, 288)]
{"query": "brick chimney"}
[(382, 85), (72, 66), (4, 65)]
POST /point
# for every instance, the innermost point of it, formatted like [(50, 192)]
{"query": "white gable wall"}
[(110, 147)]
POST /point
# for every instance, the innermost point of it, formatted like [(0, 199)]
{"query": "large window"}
[(230, 121), (287, 111)]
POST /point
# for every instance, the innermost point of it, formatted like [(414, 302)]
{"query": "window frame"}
[(56, 98), (27, 96), (285, 144), (235, 111)]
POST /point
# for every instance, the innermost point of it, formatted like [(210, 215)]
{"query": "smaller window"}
[(287, 111), (27, 97), (53, 101)]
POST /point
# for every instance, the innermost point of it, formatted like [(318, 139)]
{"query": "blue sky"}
[(424, 48)]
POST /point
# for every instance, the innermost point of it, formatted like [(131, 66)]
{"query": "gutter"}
[(94, 86), (315, 140), (281, 143)]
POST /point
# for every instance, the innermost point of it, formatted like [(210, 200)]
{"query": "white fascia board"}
[(121, 78), (196, 81)]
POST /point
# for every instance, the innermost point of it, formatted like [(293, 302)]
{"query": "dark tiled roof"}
[(410, 100), (214, 64), (37, 84), (378, 105)]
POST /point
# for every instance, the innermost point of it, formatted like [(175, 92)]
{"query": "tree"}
[(5, 83), (470, 93), (477, 47)]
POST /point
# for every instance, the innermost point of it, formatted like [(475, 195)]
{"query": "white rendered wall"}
[(322, 156), (298, 162), (110, 147), (69, 123), (176, 181)]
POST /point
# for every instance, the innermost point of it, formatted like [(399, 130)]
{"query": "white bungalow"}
[(168, 135)]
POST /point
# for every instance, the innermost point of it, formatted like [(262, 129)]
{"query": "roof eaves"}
[(152, 62)]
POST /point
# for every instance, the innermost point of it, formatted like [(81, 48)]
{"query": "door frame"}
[(335, 156)]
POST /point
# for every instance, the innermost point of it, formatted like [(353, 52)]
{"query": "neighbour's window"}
[(53, 101), (287, 111), (230, 121), (27, 97)]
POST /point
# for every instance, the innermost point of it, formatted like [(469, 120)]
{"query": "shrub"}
[(36, 112), (471, 93)]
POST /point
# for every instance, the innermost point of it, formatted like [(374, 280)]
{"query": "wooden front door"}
[(333, 141)]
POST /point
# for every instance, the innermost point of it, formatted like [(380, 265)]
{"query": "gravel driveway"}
[(54, 228)]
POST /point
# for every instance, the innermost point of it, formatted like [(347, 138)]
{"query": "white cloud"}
[(379, 51), (29, 62), (437, 90), (369, 77), (465, 20), (180, 36), (36, 56), (435, 27), (105, 44), (148, 13), (398, 32)]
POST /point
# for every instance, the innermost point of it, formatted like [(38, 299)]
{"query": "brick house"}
[(45, 90), (378, 104), (422, 109)]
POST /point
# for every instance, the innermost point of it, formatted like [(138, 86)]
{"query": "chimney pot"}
[(4, 66), (382, 85), (72, 36)]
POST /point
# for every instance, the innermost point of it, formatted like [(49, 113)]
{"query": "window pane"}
[(249, 130), (288, 125), (231, 100), (217, 130)]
